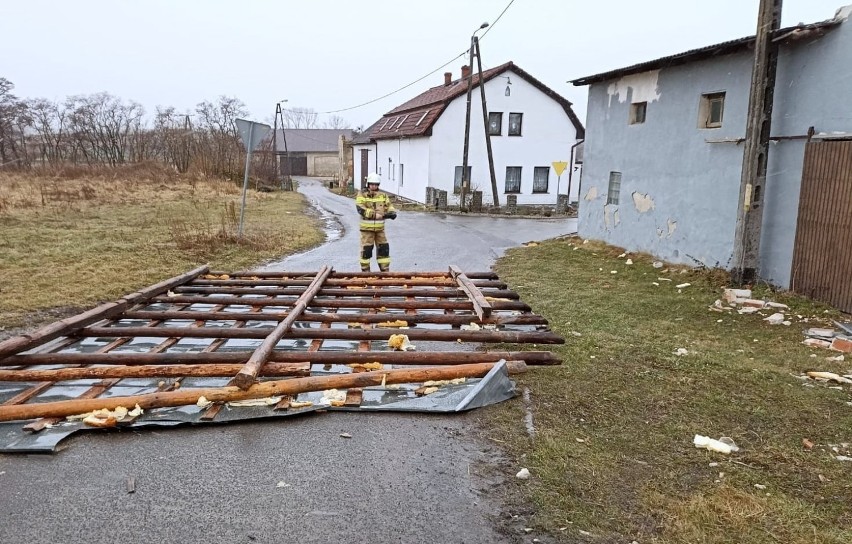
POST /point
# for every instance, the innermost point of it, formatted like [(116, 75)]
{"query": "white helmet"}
[(374, 178)]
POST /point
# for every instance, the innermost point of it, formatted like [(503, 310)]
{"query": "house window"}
[(711, 110), (513, 179), (637, 113), (614, 188), (401, 173), (515, 122), (541, 177), (495, 123), (457, 183)]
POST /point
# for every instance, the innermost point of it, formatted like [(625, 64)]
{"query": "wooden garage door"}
[(822, 257)]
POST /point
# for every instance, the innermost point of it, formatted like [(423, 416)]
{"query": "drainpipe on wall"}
[(571, 171)]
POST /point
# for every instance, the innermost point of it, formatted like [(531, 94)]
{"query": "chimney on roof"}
[(448, 78), (465, 72)]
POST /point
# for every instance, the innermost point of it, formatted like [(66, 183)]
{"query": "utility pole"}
[(485, 121), (287, 184), (746, 258), (465, 185), (465, 178), (276, 167)]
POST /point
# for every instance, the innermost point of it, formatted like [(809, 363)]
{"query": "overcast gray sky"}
[(335, 54)]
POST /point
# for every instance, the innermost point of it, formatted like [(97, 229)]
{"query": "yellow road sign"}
[(560, 167)]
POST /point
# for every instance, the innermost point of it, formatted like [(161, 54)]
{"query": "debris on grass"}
[(680, 352), (775, 319), (723, 445), (523, 474), (828, 377)]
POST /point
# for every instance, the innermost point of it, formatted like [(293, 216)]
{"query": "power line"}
[(418, 80)]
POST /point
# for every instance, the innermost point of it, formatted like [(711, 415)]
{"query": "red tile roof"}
[(417, 116)]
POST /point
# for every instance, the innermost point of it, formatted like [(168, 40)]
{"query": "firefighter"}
[(374, 207)]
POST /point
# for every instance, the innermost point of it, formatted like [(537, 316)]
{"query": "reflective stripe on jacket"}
[(370, 205)]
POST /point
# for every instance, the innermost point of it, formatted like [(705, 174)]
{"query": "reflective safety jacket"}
[(370, 206)]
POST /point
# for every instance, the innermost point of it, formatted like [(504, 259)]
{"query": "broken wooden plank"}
[(481, 307), (418, 281), (482, 335), (65, 326), (294, 386), (348, 303), (319, 357), (410, 315), (147, 371), (338, 292), (248, 375), (360, 275)]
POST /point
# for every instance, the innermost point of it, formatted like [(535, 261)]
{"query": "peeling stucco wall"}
[(643, 203), (678, 193), (644, 87)]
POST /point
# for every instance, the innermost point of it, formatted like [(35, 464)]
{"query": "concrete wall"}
[(678, 197), (323, 165), (547, 136)]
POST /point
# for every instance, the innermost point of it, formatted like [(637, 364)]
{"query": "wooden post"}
[(494, 191), (408, 358), (294, 386), (248, 374), (148, 371), (481, 306), (520, 337)]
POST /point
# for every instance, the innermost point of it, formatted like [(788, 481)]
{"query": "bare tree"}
[(49, 123), (14, 118), (101, 126), (300, 118), (219, 140), (336, 122)]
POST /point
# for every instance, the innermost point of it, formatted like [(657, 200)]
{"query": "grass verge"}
[(612, 459), (76, 242)]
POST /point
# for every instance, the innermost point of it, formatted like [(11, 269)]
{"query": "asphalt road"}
[(399, 478)]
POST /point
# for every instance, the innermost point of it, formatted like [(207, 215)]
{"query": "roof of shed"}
[(311, 140)]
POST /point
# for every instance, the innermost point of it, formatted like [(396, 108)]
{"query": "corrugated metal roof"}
[(784, 35), (417, 116), (311, 140)]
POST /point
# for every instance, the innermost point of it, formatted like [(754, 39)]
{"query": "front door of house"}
[(365, 165)]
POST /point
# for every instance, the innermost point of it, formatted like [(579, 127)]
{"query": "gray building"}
[(315, 152), (663, 157)]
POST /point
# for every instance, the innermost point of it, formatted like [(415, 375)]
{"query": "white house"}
[(420, 143)]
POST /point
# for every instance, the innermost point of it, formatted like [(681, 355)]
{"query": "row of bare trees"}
[(102, 129)]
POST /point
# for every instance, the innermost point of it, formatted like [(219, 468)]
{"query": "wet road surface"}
[(400, 478)]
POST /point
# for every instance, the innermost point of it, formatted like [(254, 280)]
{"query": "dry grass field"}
[(72, 238)]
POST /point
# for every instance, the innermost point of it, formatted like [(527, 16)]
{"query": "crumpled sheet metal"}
[(474, 393)]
